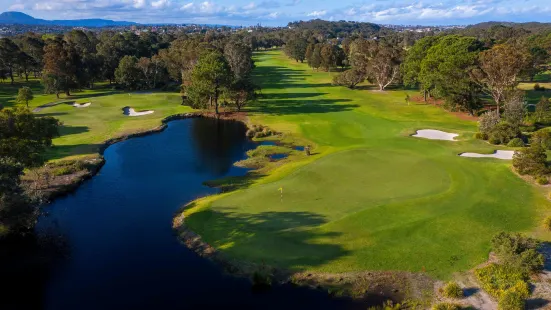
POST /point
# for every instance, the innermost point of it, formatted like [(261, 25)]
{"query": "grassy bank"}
[(371, 197), (84, 129)]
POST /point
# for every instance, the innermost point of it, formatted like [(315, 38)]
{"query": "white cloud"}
[(138, 4), (249, 6), (17, 7), (317, 13), (160, 4)]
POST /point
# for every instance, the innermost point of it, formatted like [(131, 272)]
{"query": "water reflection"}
[(123, 253)]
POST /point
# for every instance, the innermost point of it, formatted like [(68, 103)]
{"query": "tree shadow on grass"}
[(61, 151), (280, 239), (232, 183), (287, 107), (100, 94), (72, 130), (52, 114), (273, 96)]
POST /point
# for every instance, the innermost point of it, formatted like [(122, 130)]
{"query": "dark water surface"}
[(123, 253)]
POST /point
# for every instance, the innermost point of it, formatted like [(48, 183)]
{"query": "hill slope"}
[(24, 19)]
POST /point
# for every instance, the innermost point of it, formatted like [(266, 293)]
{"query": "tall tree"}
[(377, 60), (9, 56), (24, 95), (296, 48), (412, 63), (445, 70), (239, 58), (60, 68), (181, 57), (499, 69), (24, 137), (210, 77), (128, 74)]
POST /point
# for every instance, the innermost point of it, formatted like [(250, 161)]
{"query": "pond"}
[(123, 253)]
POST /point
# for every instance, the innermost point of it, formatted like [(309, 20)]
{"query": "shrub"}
[(511, 300), (63, 171), (502, 133), (496, 279), (262, 278), (387, 305), (531, 160), (516, 142), (542, 137), (452, 290), (481, 136), (514, 109), (446, 306), (518, 252), (547, 223), (538, 87), (542, 180), (488, 121)]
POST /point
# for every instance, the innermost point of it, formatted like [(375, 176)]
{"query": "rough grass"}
[(371, 197)]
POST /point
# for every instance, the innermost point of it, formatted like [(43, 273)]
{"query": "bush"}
[(516, 142), (446, 306), (488, 121), (518, 252), (387, 305), (542, 137), (542, 180), (452, 290), (547, 223), (496, 279), (502, 133), (262, 278), (531, 160), (481, 136), (511, 300), (538, 87)]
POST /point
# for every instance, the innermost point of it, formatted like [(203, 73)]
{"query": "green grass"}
[(371, 198), (84, 129)]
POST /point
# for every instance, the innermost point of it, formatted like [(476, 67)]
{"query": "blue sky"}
[(280, 12)]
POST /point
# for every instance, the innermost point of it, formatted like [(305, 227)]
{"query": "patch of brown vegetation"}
[(59, 178)]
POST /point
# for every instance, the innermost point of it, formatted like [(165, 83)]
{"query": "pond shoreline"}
[(371, 287), (72, 182)]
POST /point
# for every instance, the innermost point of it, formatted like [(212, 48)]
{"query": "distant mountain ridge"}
[(19, 18)]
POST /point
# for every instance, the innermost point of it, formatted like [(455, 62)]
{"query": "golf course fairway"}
[(371, 197)]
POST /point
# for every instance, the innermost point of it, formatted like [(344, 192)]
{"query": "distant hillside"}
[(532, 26), (24, 19), (337, 28)]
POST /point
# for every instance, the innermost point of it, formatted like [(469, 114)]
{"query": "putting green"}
[(372, 198)]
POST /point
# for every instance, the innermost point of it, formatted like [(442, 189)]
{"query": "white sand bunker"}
[(507, 155), (435, 135), (82, 105), (131, 112)]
